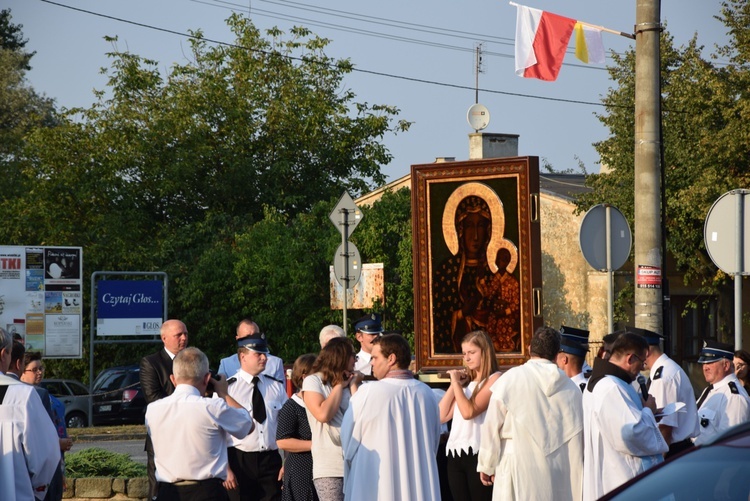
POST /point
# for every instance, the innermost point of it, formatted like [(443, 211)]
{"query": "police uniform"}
[(580, 336), (723, 404), (571, 346), (255, 459), (669, 384), (369, 324)]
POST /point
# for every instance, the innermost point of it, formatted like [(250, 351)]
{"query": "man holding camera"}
[(189, 431), (255, 461)]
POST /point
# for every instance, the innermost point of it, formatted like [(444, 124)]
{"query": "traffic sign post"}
[(725, 233), (605, 241), (347, 264)]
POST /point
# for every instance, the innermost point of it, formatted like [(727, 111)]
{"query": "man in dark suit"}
[(155, 382)]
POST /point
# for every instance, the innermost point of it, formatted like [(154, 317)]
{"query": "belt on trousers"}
[(183, 483)]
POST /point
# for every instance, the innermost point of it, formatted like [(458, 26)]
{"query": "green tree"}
[(214, 173), (21, 108), (706, 107), (384, 236)]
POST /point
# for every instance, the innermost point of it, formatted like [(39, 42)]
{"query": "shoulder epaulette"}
[(587, 374), (231, 380), (271, 377), (733, 388), (657, 374)]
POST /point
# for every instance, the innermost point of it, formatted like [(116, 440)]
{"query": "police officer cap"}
[(369, 324), (255, 342), (651, 337), (572, 347), (714, 351), (579, 335)]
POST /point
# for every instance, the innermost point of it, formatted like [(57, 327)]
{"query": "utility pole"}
[(648, 222), (477, 70)]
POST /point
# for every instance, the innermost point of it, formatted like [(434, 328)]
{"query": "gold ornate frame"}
[(510, 187)]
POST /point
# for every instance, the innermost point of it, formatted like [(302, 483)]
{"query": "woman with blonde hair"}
[(326, 394), (466, 402)]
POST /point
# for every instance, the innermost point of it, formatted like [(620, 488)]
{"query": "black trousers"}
[(257, 475), (678, 447), (204, 490), (463, 478)]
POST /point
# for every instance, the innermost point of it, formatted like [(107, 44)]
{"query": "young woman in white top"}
[(466, 402), (326, 395)]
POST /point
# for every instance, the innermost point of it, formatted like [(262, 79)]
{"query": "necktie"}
[(259, 406), (704, 395)]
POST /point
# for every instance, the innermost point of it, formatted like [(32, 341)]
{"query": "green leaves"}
[(706, 132)]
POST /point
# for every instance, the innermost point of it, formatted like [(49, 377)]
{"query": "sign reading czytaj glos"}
[(129, 307), (41, 300)]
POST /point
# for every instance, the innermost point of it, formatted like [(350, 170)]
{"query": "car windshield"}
[(54, 387), (110, 381), (78, 389), (716, 472)]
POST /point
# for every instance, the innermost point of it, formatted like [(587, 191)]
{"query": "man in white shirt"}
[(189, 431), (391, 431), (29, 447), (231, 364), (621, 436), (155, 373), (532, 443), (255, 460), (724, 402), (669, 384), (368, 329)]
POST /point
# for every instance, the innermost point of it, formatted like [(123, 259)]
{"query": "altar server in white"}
[(532, 436), (620, 432), (29, 447), (391, 432)]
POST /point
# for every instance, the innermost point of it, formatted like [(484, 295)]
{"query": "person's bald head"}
[(174, 335), (245, 328)]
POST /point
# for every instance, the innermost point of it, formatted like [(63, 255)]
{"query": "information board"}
[(41, 298)]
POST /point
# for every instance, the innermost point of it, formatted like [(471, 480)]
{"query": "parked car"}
[(118, 398), (718, 470), (76, 398)]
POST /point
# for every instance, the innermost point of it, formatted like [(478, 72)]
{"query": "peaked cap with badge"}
[(713, 351), (369, 324), (254, 342)]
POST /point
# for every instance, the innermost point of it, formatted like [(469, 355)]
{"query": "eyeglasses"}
[(640, 360), (38, 369)]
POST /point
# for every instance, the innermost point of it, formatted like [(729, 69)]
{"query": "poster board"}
[(477, 258), (41, 298)]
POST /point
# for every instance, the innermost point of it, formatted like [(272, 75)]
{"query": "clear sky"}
[(421, 50)]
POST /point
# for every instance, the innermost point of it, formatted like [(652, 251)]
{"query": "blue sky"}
[(423, 49)]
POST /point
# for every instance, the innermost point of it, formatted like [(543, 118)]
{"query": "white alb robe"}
[(390, 435), (532, 436), (621, 436), (29, 444)]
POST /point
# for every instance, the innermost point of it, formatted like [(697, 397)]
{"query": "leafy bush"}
[(96, 462)]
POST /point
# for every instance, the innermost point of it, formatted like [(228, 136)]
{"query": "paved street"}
[(134, 448)]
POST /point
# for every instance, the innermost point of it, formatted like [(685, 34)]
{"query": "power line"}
[(225, 4), (354, 69)]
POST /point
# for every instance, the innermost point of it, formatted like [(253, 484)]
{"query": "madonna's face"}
[(475, 233)]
